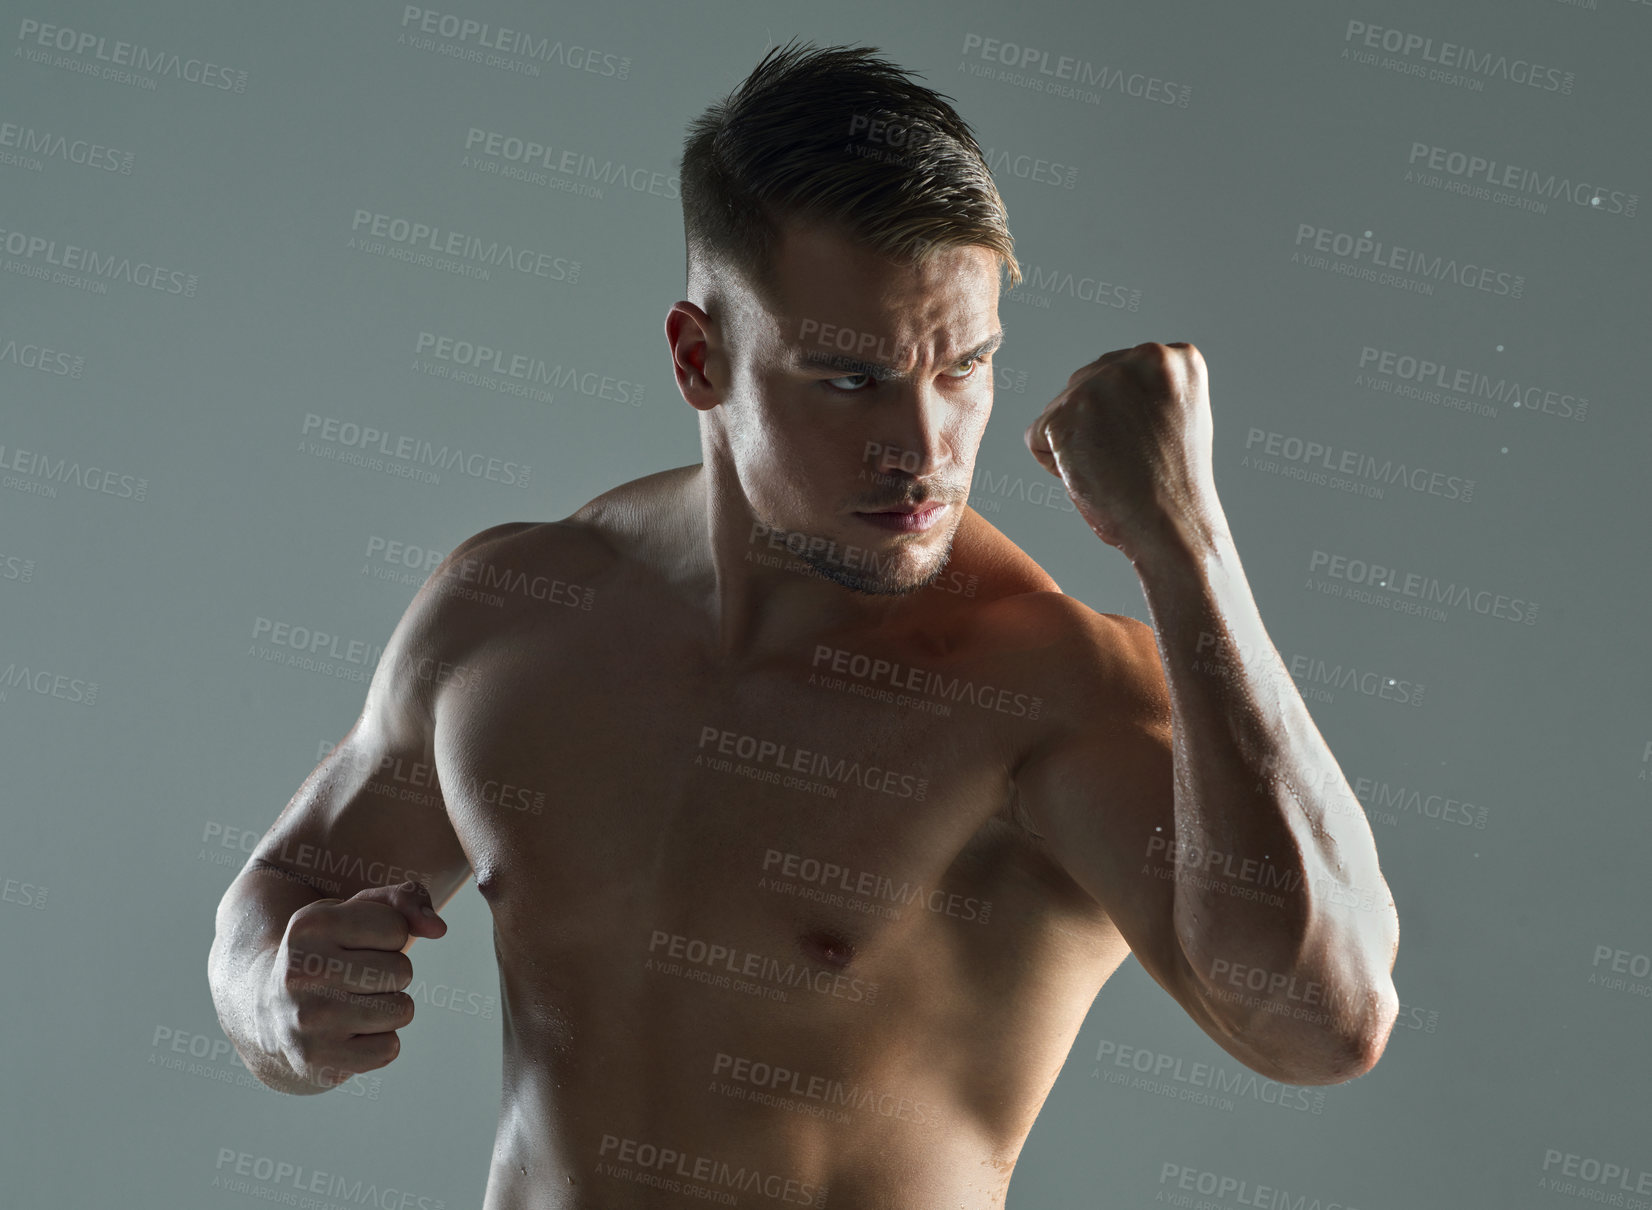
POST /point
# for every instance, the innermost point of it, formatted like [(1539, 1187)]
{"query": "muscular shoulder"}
[(1109, 663), (492, 581), (521, 559), (1095, 664)]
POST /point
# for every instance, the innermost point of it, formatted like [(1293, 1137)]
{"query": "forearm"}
[(252, 920), (1280, 905)]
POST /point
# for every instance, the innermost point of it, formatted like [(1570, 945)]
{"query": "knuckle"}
[(401, 972), (379, 1051), (310, 1016), (302, 922), (295, 977), (373, 980), (301, 951), (311, 919)]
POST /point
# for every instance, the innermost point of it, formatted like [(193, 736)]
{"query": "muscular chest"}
[(852, 792)]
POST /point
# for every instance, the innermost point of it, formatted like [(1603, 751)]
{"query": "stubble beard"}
[(879, 580)]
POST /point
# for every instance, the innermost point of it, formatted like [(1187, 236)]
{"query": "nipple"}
[(827, 947)]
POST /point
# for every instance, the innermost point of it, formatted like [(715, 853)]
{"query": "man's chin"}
[(892, 574), (887, 563), (874, 586)]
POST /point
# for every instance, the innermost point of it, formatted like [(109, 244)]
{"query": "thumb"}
[(1038, 442), (412, 900)]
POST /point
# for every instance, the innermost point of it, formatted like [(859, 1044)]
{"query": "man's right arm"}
[(307, 964)]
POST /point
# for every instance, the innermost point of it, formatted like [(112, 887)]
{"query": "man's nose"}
[(911, 435)]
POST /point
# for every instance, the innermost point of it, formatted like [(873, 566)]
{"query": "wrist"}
[(1185, 543)]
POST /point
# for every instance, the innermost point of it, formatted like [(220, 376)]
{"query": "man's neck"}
[(763, 599)]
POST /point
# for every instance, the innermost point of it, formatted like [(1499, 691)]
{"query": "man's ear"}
[(688, 330)]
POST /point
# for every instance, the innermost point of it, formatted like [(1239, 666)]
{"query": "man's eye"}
[(846, 390), (968, 366)]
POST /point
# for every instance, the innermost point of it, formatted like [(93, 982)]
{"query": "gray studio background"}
[(178, 479)]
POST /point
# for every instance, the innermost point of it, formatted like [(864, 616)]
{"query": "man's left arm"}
[(1284, 930), (1280, 906)]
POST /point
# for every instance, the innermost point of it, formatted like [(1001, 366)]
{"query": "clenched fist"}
[(1131, 439), (333, 998)]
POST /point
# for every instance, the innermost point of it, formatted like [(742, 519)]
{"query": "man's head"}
[(844, 243)]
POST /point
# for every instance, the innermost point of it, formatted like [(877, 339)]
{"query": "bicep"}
[(372, 812)]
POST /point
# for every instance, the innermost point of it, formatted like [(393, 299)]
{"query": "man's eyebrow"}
[(883, 373)]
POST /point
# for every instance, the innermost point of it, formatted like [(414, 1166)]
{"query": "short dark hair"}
[(840, 136)]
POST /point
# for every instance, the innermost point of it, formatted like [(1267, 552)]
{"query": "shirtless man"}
[(811, 814)]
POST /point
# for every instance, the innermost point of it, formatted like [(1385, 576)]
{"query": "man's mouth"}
[(906, 517)]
